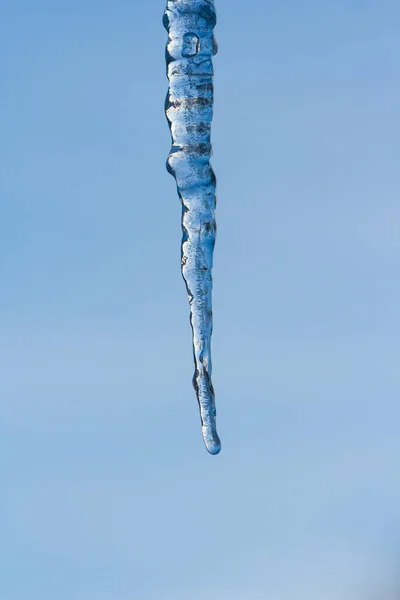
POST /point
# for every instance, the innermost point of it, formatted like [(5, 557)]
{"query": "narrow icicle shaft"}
[(189, 110)]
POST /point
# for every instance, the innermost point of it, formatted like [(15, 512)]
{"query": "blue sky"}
[(108, 491)]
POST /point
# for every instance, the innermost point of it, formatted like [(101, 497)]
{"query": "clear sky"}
[(107, 492)]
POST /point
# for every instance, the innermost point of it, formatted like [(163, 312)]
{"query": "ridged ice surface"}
[(189, 110)]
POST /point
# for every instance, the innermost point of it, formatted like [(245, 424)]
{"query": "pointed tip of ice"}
[(212, 441), (213, 448)]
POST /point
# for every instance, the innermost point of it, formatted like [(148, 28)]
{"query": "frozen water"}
[(189, 110)]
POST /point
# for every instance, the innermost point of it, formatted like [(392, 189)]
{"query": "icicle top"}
[(190, 25)]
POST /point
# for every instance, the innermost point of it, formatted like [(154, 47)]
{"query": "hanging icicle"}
[(189, 110)]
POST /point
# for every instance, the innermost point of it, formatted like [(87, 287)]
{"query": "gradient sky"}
[(107, 490)]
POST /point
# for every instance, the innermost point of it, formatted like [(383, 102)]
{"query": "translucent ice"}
[(189, 110)]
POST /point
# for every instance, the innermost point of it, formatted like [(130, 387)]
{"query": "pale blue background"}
[(107, 492)]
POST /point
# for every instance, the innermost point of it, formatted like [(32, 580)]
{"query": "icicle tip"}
[(211, 440)]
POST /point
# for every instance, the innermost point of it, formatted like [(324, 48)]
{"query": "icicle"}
[(189, 110)]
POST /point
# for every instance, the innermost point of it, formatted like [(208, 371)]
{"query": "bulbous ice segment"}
[(189, 110)]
